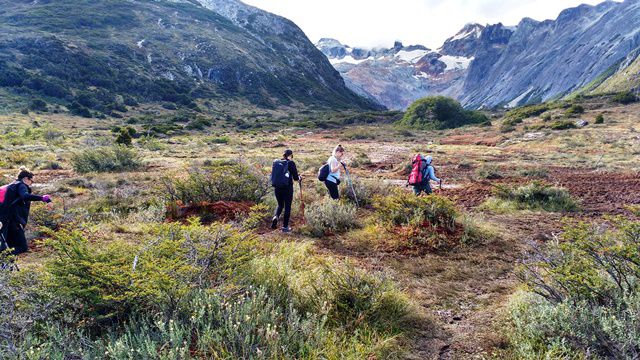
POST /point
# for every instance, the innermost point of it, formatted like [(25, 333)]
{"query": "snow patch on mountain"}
[(411, 56), (456, 62)]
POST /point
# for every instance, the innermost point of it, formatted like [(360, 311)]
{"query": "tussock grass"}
[(536, 196)]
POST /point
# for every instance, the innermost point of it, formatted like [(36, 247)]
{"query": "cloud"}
[(373, 23)]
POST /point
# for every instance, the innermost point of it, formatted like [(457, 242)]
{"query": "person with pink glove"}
[(19, 198)]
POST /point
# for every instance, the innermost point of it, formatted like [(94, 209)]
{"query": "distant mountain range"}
[(102, 56), (587, 49)]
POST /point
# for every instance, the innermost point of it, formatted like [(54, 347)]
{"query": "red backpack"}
[(415, 178)]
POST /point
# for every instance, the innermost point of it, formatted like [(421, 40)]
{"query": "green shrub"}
[(124, 138), (227, 181), (366, 190), (115, 280), (563, 125), (599, 119), (537, 196), (38, 105), (360, 160), (329, 216), (487, 171), (583, 298), (348, 296), (538, 172), (515, 116), (574, 110), (626, 97), (439, 112), (107, 159), (404, 208)]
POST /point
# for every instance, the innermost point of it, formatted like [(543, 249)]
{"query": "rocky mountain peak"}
[(465, 42)]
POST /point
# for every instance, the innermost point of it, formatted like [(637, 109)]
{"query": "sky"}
[(378, 23)]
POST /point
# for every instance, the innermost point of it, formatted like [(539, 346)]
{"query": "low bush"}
[(599, 119), (626, 97), (518, 114), (225, 181), (563, 125), (113, 281), (574, 110), (425, 222), (366, 190), (582, 298), (106, 159), (535, 196), (490, 172), (329, 217), (534, 172), (360, 160)]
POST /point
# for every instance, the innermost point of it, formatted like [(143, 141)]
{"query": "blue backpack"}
[(280, 173)]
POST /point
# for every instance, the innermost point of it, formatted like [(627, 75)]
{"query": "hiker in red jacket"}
[(16, 206)]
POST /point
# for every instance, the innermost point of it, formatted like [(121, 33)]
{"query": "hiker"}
[(283, 173), (333, 179), (428, 173), (16, 206)]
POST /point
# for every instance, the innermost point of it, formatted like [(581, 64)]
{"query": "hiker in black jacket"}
[(19, 198), (283, 174)]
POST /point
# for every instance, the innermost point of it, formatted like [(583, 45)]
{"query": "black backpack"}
[(280, 176), (323, 172)]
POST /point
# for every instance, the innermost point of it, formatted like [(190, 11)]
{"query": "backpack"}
[(280, 173), (323, 172), (4, 201), (415, 177)]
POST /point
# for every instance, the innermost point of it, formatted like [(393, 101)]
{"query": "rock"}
[(581, 123)]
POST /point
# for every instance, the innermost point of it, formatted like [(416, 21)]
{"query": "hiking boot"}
[(274, 223), (286, 229)]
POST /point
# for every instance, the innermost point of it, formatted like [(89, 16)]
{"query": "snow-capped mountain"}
[(399, 75), (497, 65)]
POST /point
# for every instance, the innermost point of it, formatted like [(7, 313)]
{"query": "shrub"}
[(574, 110), (490, 172), (537, 196), (626, 97), (583, 298), (115, 280), (360, 160), (534, 172), (439, 112), (403, 208), (348, 296), (329, 216), (599, 119), (230, 181), (124, 138), (38, 105), (107, 159), (366, 190), (425, 221), (563, 125), (518, 114)]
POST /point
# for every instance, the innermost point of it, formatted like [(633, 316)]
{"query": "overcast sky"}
[(370, 23)]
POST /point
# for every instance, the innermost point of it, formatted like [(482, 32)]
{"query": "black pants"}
[(333, 190), (284, 196), (16, 239), (425, 187)]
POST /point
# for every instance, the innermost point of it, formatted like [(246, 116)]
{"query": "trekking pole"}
[(304, 221), (353, 190)]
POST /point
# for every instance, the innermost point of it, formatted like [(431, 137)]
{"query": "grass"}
[(536, 196), (380, 260)]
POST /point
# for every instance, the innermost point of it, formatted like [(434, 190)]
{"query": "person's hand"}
[(46, 198)]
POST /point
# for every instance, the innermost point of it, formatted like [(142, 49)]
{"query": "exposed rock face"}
[(465, 42), (505, 66), (165, 50), (550, 59)]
